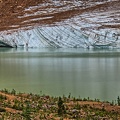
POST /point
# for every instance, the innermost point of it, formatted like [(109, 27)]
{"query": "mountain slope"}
[(16, 14)]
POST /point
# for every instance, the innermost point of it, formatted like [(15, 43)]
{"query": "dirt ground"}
[(34, 107)]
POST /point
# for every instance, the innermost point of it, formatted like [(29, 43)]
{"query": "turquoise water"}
[(81, 72)]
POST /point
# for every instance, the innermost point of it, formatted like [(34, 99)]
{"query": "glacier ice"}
[(62, 36)]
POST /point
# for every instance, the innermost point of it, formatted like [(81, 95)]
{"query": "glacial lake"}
[(60, 71)]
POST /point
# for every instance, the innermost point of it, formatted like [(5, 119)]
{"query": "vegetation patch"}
[(23, 106)]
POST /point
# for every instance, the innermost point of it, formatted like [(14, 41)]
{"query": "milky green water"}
[(84, 73)]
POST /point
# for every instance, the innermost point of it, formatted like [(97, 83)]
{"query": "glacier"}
[(62, 36), (57, 23)]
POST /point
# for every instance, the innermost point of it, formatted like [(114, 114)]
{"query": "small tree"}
[(26, 112), (118, 100), (13, 92), (61, 107)]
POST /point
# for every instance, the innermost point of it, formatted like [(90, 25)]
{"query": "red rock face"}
[(25, 14)]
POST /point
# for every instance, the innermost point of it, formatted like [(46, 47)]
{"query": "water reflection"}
[(61, 71)]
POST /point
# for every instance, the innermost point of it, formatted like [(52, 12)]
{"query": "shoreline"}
[(36, 107)]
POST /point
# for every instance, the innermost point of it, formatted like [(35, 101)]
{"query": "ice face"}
[(62, 36)]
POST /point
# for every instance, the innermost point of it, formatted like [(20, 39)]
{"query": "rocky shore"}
[(21, 106)]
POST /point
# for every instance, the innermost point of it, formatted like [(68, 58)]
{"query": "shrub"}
[(2, 109)]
